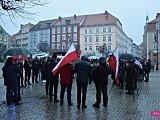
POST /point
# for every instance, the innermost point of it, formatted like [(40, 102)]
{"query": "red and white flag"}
[(114, 63), (69, 57)]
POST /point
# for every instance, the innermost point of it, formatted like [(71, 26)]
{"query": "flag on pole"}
[(71, 55), (114, 63)]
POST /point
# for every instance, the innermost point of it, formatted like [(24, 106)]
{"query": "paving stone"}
[(36, 105)]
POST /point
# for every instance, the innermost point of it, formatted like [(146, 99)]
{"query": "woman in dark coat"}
[(12, 82), (130, 77)]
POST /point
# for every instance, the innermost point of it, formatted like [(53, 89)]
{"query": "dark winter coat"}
[(100, 74), (84, 71), (130, 73), (12, 72), (147, 67), (51, 64)]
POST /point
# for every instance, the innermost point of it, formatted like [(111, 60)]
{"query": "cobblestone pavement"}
[(36, 105)]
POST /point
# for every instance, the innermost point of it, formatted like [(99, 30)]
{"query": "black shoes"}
[(70, 104), (18, 103), (105, 105), (84, 106), (56, 101), (78, 106), (96, 106)]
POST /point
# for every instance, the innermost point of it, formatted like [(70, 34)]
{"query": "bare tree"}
[(44, 47), (19, 8)]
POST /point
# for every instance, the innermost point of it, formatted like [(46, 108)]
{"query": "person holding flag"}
[(71, 55)]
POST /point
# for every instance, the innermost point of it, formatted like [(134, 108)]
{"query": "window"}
[(64, 37), (58, 38), (109, 47), (97, 39), (109, 38), (1, 32), (90, 47), (53, 46), (104, 39), (109, 29), (85, 30), (63, 45), (85, 39), (154, 46), (97, 47), (69, 37), (75, 28), (85, 47), (97, 30), (75, 37), (58, 46), (104, 30), (58, 30), (64, 30), (69, 29), (90, 39), (90, 30)]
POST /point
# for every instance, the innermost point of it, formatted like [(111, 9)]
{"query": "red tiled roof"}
[(72, 20), (152, 24), (100, 19)]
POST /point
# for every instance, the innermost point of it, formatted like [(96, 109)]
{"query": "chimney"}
[(75, 17), (60, 19), (106, 15)]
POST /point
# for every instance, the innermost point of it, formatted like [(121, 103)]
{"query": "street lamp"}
[(156, 40)]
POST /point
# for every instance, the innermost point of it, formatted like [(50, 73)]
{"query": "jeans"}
[(63, 87)]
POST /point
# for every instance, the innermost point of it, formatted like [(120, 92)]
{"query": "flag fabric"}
[(107, 54), (114, 63), (71, 55)]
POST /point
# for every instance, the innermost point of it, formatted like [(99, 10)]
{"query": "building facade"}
[(100, 29), (151, 39), (39, 37), (66, 31), (22, 35)]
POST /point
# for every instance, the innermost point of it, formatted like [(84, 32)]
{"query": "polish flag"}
[(71, 55), (114, 63)]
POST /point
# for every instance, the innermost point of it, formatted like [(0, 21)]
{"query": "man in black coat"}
[(35, 70), (12, 82), (27, 68), (100, 78), (84, 76), (147, 70), (53, 79)]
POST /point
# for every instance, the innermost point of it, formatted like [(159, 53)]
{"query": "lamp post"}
[(156, 40)]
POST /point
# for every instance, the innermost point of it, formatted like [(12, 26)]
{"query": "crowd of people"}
[(84, 71)]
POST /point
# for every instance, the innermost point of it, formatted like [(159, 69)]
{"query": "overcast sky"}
[(131, 13)]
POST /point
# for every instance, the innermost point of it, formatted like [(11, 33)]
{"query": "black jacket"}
[(100, 74), (84, 71)]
